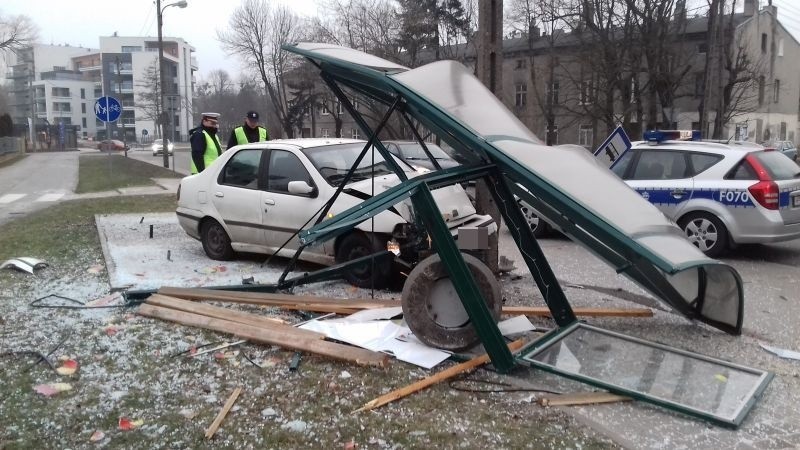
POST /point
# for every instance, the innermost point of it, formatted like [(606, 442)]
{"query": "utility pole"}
[(490, 63), (31, 92), (122, 104)]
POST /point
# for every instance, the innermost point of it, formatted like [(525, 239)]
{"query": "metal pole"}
[(162, 83), (121, 113)]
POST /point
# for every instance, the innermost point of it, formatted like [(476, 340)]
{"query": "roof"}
[(315, 142)]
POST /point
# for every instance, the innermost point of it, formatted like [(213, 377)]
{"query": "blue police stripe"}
[(737, 198)]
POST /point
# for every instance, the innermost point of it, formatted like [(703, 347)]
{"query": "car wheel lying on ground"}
[(256, 197)]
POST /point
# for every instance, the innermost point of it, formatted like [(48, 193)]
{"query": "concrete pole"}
[(489, 67)]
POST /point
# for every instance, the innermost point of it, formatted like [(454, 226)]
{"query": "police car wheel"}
[(706, 232), (216, 242), (538, 226)]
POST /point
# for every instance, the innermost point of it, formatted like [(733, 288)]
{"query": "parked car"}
[(255, 197), (158, 147), (112, 145), (719, 194), (786, 147), (413, 153)]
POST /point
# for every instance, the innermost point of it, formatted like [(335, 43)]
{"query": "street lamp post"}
[(163, 115)]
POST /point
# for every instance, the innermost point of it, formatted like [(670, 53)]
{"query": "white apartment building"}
[(59, 84)]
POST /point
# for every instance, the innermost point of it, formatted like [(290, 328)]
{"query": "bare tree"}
[(256, 31), (16, 32), (148, 100)]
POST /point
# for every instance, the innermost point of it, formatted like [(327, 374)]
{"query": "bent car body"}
[(256, 197)]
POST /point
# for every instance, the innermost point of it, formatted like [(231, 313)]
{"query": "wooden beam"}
[(430, 381), (268, 336), (582, 398), (223, 412), (229, 314)]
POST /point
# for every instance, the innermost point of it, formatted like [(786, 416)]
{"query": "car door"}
[(283, 212), (237, 196), (661, 176)]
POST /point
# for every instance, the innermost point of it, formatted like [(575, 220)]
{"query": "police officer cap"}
[(252, 115), (211, 115)]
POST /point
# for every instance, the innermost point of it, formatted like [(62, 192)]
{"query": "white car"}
[(158, 147), (255, 197)]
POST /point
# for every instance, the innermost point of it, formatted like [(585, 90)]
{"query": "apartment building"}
[(59, 85)]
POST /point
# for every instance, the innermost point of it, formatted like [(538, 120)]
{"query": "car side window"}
[(660, 165), (242, 169), (702, 161), (285, 167), (742, 171)]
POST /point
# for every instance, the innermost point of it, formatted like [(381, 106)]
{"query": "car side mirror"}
[(302, 188)]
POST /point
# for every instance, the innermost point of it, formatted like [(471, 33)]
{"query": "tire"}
[(706, 232), (216, 242), (433, 310), (356, 245), (538, 227)]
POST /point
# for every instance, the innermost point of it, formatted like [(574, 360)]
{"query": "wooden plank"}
[(223, 412), (228, 314), (274, 299), (582, 398), (584, 312), (429, 381), (268, 336)]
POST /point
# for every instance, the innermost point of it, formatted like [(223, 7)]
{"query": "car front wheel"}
[(538, 226), (216, 242), (371, 274), (706, 232)]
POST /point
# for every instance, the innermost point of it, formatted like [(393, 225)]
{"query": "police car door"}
[(661, 176)]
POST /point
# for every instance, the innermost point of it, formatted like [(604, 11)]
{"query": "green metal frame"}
[(555, 335)]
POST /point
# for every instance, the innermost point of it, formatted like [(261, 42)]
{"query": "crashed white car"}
[(255, 197)]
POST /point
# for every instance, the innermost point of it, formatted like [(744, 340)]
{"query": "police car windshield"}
[(777, 165)]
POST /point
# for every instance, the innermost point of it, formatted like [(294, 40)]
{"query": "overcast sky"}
[(81, 22)]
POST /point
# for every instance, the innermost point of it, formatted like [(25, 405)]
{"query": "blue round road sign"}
[(107, 109)]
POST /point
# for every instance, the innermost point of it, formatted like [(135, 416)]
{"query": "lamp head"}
[(181, 4)]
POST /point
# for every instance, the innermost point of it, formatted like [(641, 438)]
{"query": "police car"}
[(719, 194)]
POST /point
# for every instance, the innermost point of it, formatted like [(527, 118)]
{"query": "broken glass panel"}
[(705, 387)]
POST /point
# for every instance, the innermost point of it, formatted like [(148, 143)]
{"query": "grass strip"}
[(106, 172)]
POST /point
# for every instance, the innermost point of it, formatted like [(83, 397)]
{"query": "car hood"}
[(568, 188), (452, 200)]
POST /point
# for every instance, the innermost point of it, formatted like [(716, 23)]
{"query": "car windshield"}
[(333, 162), (777, 165), (413, 150)]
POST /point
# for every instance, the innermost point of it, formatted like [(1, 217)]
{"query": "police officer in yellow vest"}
[(249, 132), (205, 144)]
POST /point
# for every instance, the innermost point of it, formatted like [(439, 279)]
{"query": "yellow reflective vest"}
[(241, 138), (210, 154)]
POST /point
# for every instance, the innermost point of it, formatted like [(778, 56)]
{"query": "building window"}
[(587, 93), (323, 109), (83, 108), (776, 91), (699, 85), (339, 108), (586, 136), (780, 47), (521, 94), (83, 122), (354, 102), (131, 48), (355, 134), (761, 90), (83, 93), (324, 132), (59, 92), (521, 64), (702, 47), (763, 42), (552, 93)]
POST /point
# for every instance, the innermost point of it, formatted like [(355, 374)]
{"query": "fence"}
[(11, 145)]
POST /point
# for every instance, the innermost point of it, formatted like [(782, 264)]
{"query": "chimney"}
[(750, 7)]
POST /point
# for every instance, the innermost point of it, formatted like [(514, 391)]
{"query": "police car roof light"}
[(656, 136)]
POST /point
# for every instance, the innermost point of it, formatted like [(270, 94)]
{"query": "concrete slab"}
[(168, 184), (136, 261)]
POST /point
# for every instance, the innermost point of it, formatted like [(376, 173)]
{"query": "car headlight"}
[(170, 146), (154, 147)]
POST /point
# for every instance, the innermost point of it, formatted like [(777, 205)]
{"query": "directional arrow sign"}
[(107, 109)]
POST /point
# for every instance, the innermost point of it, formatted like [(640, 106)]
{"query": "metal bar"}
[(531, 251), (462, 279), (390, 161), (334, 271), (421, 142)]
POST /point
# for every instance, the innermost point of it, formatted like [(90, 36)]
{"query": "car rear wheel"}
[(706, 232), (216, 242), (538, 226), (356, 245)]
